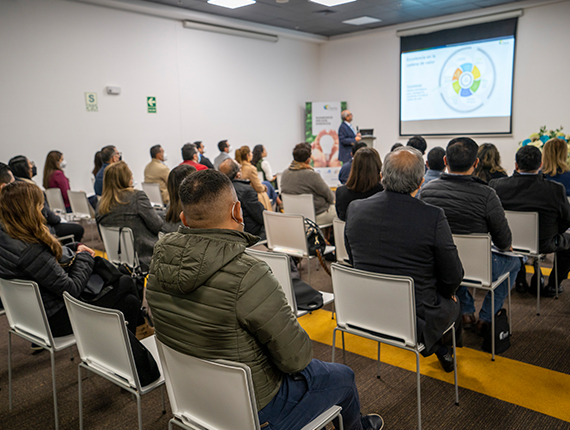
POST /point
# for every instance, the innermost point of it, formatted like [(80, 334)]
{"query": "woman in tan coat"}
[(249, 172)]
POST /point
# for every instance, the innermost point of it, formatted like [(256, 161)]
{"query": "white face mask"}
[(230, 148), (62, 164), (164, 157), (234, 218)]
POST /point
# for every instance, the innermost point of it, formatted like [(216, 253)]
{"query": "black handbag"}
[(502, 334), (316, 242)]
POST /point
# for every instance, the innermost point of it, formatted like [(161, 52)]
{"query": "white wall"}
[(208, 86), (364, 70)]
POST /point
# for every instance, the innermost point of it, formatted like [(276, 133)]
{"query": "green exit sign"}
[(151, 104)]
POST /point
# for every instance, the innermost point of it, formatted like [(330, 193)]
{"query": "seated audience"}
[(250, 204), (300, 178), (123, 206), (345, 169), (248, 172), (363, 182), (489, 166), (224, 148), (156, 172), (396, 146), (201, 157), (24, 170), (248, 318), (435, 165), (262, 165), (394, 233), (175, 178), (528, 191), (473, 207), (109, 155), (419, 143), (555, 162), (190, 156), (54, 176)]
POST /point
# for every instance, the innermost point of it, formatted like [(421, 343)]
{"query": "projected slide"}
[(471, 80)]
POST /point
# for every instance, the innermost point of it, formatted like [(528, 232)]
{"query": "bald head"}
[(209, 200), (230, 168), (403, 170)]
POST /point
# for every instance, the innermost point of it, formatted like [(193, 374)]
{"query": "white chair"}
[(524, 229), (281, 268), (120, 245), (216, 395), (338, 229), (286, 234), (104, 348), (381, 308), (27, 318), (152, 190), (301, 204), (278, 180), (261, 176), (55, 200), (475, 254), (80, 206)]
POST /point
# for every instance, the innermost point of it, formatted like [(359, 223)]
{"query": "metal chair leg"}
[(538, 286), (54, 389), (10, 370), (492, 324), (555, 268), (343, 349), (455, 366), (378, 363), (80, 396), (334, 344), (139, 411), (163, 402), (419, 391), (340, 423), (509, 294)]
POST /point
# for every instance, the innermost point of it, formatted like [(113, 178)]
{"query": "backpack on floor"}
[(502, 334)]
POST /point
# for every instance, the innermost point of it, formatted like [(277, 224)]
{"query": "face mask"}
[(230, 148), (63, 164), (199, 157), (234, 218), (34, 169), (164, 157)]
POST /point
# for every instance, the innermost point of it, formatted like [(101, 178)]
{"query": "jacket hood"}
[(185, 260), (295, 165)]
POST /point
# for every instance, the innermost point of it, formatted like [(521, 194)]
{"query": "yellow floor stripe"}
[(522, 384)]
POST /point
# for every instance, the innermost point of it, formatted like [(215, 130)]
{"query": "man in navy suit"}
[(347, 136)]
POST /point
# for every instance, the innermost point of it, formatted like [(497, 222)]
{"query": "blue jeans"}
[(270, 192), (304, 397), (501, 264)]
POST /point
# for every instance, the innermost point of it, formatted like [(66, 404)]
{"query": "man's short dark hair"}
[(19, 166), (107, 153), (528, 158), (435, 158), (198, 144), (419, 143), (395, 146), (188, 151), (461, 154), (155, 150), (357, 146), (5, 177), (222, 144), (302, 152)]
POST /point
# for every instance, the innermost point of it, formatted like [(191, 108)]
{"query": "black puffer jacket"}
[(36, 262), (470, 205)]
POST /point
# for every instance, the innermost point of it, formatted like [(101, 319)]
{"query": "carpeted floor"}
[(541, 341)]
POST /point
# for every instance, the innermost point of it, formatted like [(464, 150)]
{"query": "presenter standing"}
[(347, 135)]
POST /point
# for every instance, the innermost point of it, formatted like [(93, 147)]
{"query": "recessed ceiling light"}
[(362, 20), (231, 4), (331, 3)]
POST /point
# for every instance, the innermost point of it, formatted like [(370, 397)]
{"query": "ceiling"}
[(303, 15)]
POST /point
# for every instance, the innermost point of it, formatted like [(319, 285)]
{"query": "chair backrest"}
[(338, 229), (211, 394), (299, 204), (286, 233), (524, 228), (382, 305), (55, 200), (152, 190), (102, 340), (119, 238), (261, 176), (475, 255), (278, 180), (79, 203), (25, 310), (281, 268)]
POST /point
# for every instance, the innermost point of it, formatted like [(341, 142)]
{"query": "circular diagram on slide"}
[(467, 79)]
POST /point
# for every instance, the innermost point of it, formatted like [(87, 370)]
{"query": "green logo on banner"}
[(151, 104)]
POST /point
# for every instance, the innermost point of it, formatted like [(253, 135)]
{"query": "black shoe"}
[(372, 422), (446, 360), (521, 284), (550, 291), (482, 328)]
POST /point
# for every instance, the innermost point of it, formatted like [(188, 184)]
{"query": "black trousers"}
[(67, 228), (562, 259)]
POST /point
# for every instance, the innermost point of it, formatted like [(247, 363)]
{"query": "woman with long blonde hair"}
[(555, 162), (249, 172), (123, 206)]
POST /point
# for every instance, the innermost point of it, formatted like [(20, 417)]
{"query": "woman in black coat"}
[(363, 181)]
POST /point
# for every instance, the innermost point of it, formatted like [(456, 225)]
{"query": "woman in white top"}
[(261, 164)]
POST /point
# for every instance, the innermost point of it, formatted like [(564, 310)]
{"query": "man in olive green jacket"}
[(211, 300)]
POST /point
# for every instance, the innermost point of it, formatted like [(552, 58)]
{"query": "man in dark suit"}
[(347, 136), (528, 191), (201, 157), (252, 207), (394, 233)]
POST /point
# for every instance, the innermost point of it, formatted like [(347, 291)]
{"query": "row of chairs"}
[(80, 206)]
